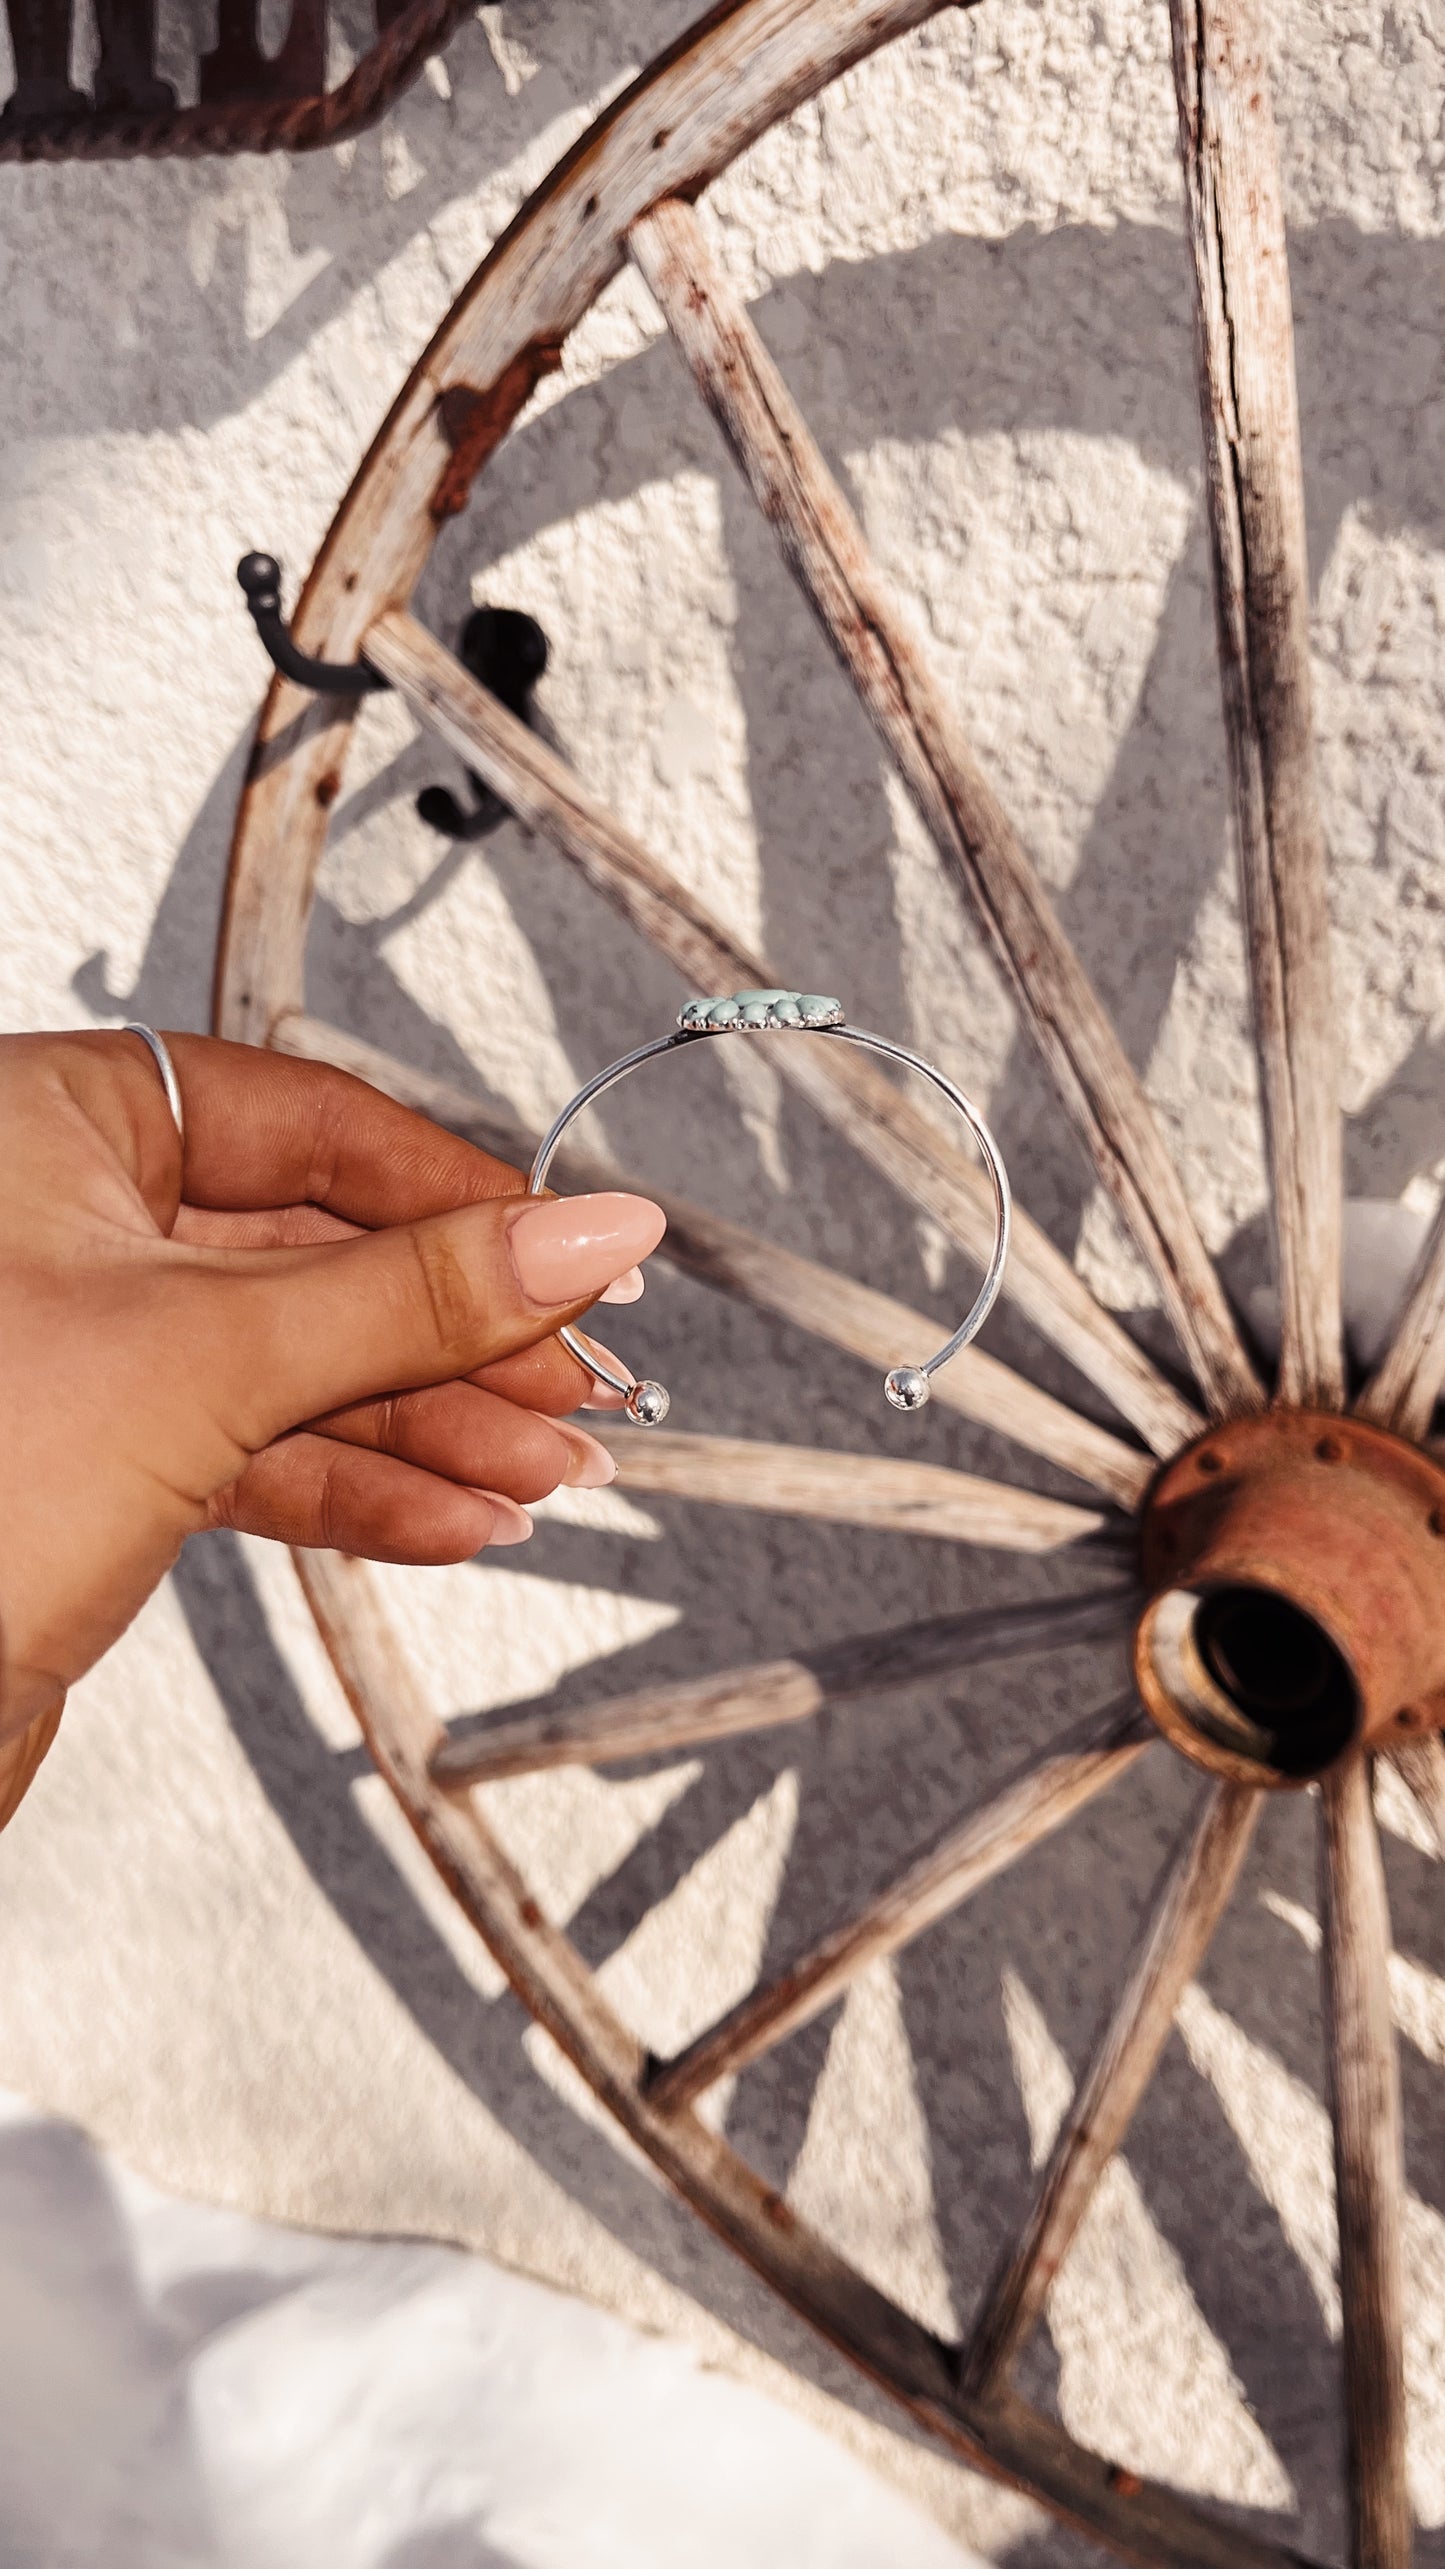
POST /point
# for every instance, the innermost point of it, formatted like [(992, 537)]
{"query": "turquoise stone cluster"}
[(759, 1012)]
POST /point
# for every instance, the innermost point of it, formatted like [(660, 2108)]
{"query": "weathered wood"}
[(877, 644), (905, 1146), (1194, 1898), (1369, 2167), (851, 1092), (872, 1325), (986, 1843), (729, 77), (1138, 2518), (1406, 1385), (650, 1723), (711, 94), (1422, 1764), (832, 1307), (1245, 340), (658, 1719), (849, 1489)]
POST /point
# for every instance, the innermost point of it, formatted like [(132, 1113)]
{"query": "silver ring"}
[(164, 1064), (778, 1012)]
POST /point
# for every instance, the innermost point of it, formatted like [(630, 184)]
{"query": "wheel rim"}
[(622, 191)]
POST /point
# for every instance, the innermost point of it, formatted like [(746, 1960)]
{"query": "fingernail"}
[(567, 1248), (628, 1288), (604, 1395), (591, 1467), (510, 1523)]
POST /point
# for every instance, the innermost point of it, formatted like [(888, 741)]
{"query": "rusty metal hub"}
[(1296, 1569)]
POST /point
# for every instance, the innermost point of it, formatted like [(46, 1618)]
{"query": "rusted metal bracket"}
[(260, 578)]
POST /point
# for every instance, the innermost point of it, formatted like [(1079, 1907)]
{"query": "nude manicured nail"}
[(568, 1248), (591, 1467), (510, 1523), (604, 1395), (628, 1288)]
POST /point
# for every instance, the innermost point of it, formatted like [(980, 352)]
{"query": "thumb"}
[(310, 1330)]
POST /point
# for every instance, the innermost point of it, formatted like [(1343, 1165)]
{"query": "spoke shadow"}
[(448, 2546)]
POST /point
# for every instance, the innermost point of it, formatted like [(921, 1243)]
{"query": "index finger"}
[(263, 1129), (266, 1130)]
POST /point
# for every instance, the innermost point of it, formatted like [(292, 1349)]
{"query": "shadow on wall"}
[(344, 220), (1077, 331), (447, 2546)]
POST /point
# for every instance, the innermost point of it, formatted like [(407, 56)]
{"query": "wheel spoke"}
[(1369, 2168), (855, 1096), (985, 1844), (1422, 1764), (848, 1489), (679, 1715), (1261, 592), (1135, 2516), (850, 1092), (1404, 1389), (825, 549), (1198, 1889), (832, 1307)]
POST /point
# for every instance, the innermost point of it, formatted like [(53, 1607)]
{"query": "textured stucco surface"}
[(216, 1952)]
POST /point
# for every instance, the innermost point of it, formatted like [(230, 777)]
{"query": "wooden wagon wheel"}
[(1289, 1622)]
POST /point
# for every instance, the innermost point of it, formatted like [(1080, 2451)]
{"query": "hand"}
[(326, 1321)]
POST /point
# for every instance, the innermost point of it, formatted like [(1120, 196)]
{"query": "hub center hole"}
[(1282, 1671)]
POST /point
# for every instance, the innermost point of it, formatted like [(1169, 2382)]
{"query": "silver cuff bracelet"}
[(783, 1012)]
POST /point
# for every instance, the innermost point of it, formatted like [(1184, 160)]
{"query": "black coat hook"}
[(260, 577), (506, 652)]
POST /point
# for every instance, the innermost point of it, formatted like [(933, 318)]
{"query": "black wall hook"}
[(260, 578), (506, 652)]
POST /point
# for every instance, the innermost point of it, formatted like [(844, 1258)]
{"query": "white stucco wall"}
[(215, 1949)]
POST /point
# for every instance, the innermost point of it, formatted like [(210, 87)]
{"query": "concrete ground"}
[(215, 1952)]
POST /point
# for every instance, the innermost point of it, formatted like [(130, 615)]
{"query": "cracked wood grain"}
[(1194, 1899), (684, 1711), (1254, 477), (892, 1496), (876, 642), (1369, 2167)]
